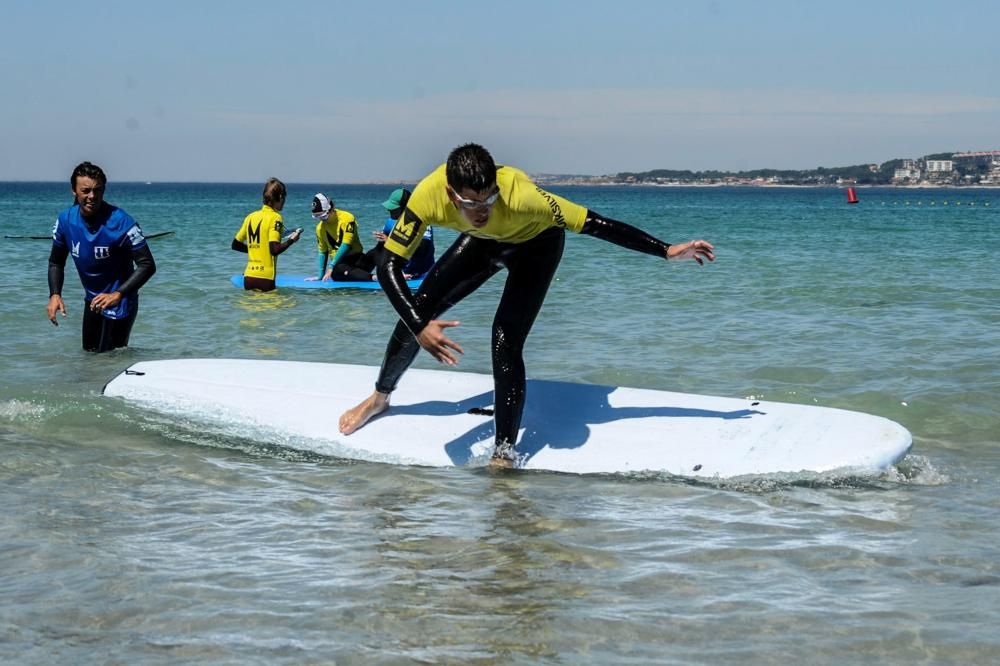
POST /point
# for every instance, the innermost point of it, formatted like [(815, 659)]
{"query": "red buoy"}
[(852, 196)]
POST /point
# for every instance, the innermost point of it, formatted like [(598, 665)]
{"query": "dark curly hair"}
[(88, 170), (471, 166)]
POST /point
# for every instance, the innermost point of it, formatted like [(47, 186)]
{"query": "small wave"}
[(20, 411), (917, 471), (912, 470), (261, 442), (979, 581)]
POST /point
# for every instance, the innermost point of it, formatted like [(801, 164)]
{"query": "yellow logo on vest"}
[(404, 232)]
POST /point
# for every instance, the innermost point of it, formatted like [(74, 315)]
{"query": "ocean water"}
[(133, 538)]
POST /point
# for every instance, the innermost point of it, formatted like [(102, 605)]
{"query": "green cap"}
[(396, 200)]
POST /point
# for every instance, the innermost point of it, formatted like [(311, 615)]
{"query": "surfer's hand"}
[(699, 250), (55, 305), (437, 344), (311, 279), (102, 301)]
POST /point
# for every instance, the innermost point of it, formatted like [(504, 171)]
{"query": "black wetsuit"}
[(356, 267), (100, 333), (462, 269)]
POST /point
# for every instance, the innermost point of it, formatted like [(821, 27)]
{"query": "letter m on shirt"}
[(405, 231), (253, 234)]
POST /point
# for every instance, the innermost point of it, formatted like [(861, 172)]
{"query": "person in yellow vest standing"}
[(260, 238)]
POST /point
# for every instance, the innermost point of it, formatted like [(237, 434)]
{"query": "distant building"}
[(993, 176), (907, 172), (939, 166), (984, 164), (988, 155)]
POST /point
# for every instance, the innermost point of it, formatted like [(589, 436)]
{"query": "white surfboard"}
[(436, 418)]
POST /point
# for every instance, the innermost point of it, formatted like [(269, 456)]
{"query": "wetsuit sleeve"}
[(240, 247), (57, 268), (390, 277), (321, 263), (279, 247), (275, 244), (144, 269), (623, 234), (341, 253)]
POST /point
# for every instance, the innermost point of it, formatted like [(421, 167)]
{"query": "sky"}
[(379, 91)]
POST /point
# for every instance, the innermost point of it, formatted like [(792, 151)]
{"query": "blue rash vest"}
[(102, 252)]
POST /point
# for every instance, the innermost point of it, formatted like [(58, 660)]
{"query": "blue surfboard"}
[(300, 282)]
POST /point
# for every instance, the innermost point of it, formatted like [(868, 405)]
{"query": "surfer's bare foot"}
[(500, 462), (503, 457), (360, 414)]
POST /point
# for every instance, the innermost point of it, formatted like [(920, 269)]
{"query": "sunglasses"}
[(323, 214), (472, 204)]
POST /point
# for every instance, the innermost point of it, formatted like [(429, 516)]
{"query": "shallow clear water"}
[(135, 538)]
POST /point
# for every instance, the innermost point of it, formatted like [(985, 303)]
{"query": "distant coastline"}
[(979, 169), (597, 181), (543, 179), (953, 169)]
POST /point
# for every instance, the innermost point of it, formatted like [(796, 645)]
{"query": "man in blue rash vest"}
[(111, 256), (506, 221), (423, 258)]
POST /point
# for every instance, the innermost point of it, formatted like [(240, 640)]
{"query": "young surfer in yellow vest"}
[(260, 238), (338, 241)]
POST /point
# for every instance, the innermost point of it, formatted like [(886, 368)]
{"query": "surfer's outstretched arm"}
[(636, 239), (360, 414), (699, 250)]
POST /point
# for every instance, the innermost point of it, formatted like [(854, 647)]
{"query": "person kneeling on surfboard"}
[(260, 238), (337, 239), (506, 221)]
